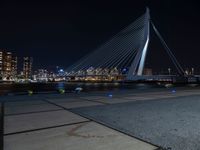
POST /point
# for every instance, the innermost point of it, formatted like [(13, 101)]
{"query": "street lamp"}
[(192, 71), (169, 70)]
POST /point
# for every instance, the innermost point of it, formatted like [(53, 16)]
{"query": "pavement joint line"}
[(127, 98), (161, 98), (25, 104), (101, 123), (33, 112), (2, 126), (115, 129), (68, 109), (67, 96), (56, 104), (45, 128), (66, 101), (22, 100), (95, 101), (108, 103)]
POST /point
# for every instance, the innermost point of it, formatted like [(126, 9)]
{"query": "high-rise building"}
[(148, 71), (27, 67), (1, 63), (14, 66), (6, 65)]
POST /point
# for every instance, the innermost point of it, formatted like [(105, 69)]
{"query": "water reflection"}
[(69, 87), (60, 86)]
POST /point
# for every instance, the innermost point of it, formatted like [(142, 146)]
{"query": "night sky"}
[(59, 33)]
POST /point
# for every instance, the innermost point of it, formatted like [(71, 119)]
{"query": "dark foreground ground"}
[(171, 123), (114, 120)]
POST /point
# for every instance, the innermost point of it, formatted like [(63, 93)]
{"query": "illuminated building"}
[(14, 66), (1, 63), (27, 67), (8, 65), (41, 75), (147, 71)]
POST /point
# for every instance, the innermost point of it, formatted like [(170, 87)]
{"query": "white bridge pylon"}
[(137, 66)]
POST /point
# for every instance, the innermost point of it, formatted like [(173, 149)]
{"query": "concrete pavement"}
[(80, 121)]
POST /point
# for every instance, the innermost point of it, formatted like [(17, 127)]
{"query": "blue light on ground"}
[(173, 91), (110, 95)]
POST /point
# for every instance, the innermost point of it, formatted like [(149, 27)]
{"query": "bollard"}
[(78, 89), (30, 92), (61, 91)]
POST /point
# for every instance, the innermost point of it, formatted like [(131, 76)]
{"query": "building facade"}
[(1, 63), (14, 66), (27, 67), (147, 71), (8, 65)]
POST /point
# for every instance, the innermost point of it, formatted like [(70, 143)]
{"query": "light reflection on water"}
[(60, 86)]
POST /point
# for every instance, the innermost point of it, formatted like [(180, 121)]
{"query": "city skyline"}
[(13, 67), (66, 34)]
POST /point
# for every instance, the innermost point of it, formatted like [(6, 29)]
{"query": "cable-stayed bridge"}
[(123, 56)]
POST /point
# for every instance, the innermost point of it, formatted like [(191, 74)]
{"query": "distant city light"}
[(61, 70)]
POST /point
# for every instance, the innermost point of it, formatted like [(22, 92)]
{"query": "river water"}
[(6, 88)]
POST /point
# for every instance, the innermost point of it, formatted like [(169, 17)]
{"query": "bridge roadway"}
[(153, 78)]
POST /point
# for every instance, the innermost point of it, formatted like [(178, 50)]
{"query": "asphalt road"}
[(172, 123)]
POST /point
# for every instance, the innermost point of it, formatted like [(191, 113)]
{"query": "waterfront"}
[(69, 87), (9, 89)]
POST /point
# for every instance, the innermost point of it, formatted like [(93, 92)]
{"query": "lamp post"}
[(169, 71), (192, 71)]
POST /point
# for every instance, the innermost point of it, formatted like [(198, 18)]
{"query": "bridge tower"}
[(137, 66)]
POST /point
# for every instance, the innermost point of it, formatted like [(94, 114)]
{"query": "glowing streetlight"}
[(169, 71)]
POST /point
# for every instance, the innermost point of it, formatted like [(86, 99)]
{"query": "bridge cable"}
[(173, 58)]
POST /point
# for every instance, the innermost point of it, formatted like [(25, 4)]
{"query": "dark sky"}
[(59, 33)]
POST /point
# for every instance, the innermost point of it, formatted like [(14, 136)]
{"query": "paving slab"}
[(130, 97), (93, 97), (84, 136), (18, 109), (57, 96), (149, 97), (114, 100), (78, 104), (108, 100), (172, 123), (170, 92), (55, 100), (22, 97), (34, 121), (24, 103)]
